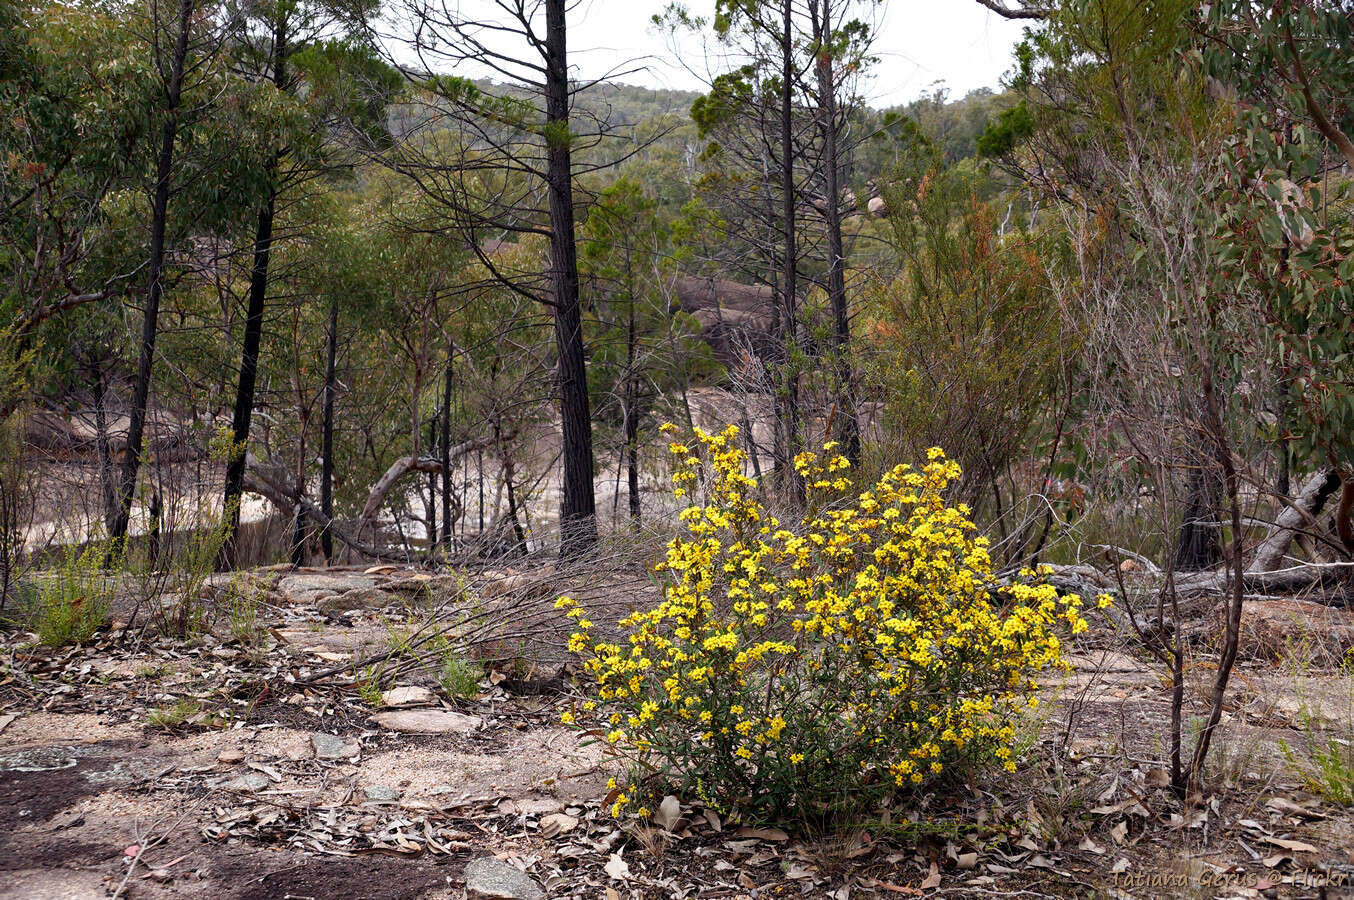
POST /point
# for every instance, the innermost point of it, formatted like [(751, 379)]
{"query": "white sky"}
[(919, 42)]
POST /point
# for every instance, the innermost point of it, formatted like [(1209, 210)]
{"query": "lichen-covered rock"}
[(363, 599), (492, 878)]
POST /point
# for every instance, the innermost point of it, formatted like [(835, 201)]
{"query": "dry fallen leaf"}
[(556, 824), (712, 818), (763, 834), (669, 813), (932, 880), (1288, 807), (617, 868), (1295, 846)]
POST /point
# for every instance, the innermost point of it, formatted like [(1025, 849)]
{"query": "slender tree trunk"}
[(578, 515), (632, 417), (153, 537), (102, 448), (253, 327), (787, 419), (848, 432), (446, 449), (327, 436), (433, 432), (298, 533), (164, 166), (249, 371)]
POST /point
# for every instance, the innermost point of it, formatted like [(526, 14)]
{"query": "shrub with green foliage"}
[(807, 673), (73, 600)]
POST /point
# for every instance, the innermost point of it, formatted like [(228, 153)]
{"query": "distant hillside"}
[(629, 104)]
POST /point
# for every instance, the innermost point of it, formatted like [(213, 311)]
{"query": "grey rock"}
[(357, 600), (250, 781), (310, 587), (381, 793), (492, 878), (428, 721), (423, 585), (331, 746)]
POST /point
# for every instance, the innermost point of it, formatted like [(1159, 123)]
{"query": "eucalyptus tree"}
[(778, 128), (75, 95), (1290, 70), (184, 52), (642, 349), (839, 45), (502, 162), (318, 79)]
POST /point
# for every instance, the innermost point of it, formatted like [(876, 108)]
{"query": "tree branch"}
[(1019, 12)]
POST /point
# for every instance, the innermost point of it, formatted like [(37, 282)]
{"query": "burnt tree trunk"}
[(848, 429), (101, 446), (447, 537), (164, 166), (249, 371), (327, 436), (253, 327), (787, 393), (1199, 543), (632, 417), (578, 515)]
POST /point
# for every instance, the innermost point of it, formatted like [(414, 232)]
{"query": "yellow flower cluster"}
[(805, 670)]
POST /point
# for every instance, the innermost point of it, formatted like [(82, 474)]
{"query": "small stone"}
[(331, 746), (496, 880), (230, 756), (250, 781), (407, 696), (428, 721), (381, 793), (557, 823)]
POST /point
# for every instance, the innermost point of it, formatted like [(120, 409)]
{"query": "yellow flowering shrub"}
[(812, 671)]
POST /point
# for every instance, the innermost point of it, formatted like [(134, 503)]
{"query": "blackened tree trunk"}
[(578, 515), (327, 437), (632, 415), (431, 506), (102, 447), (253, 327), (298, 532), (1199, 544), (164, 167), (249, 372), (447, 537), (848, 429), (787, 395)]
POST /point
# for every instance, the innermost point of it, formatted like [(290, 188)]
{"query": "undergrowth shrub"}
[(74, 598), (806, 673), (1324, 759)]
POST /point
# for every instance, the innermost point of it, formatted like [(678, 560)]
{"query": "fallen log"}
[(285, 499), (406, 465), (1300, 514)]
